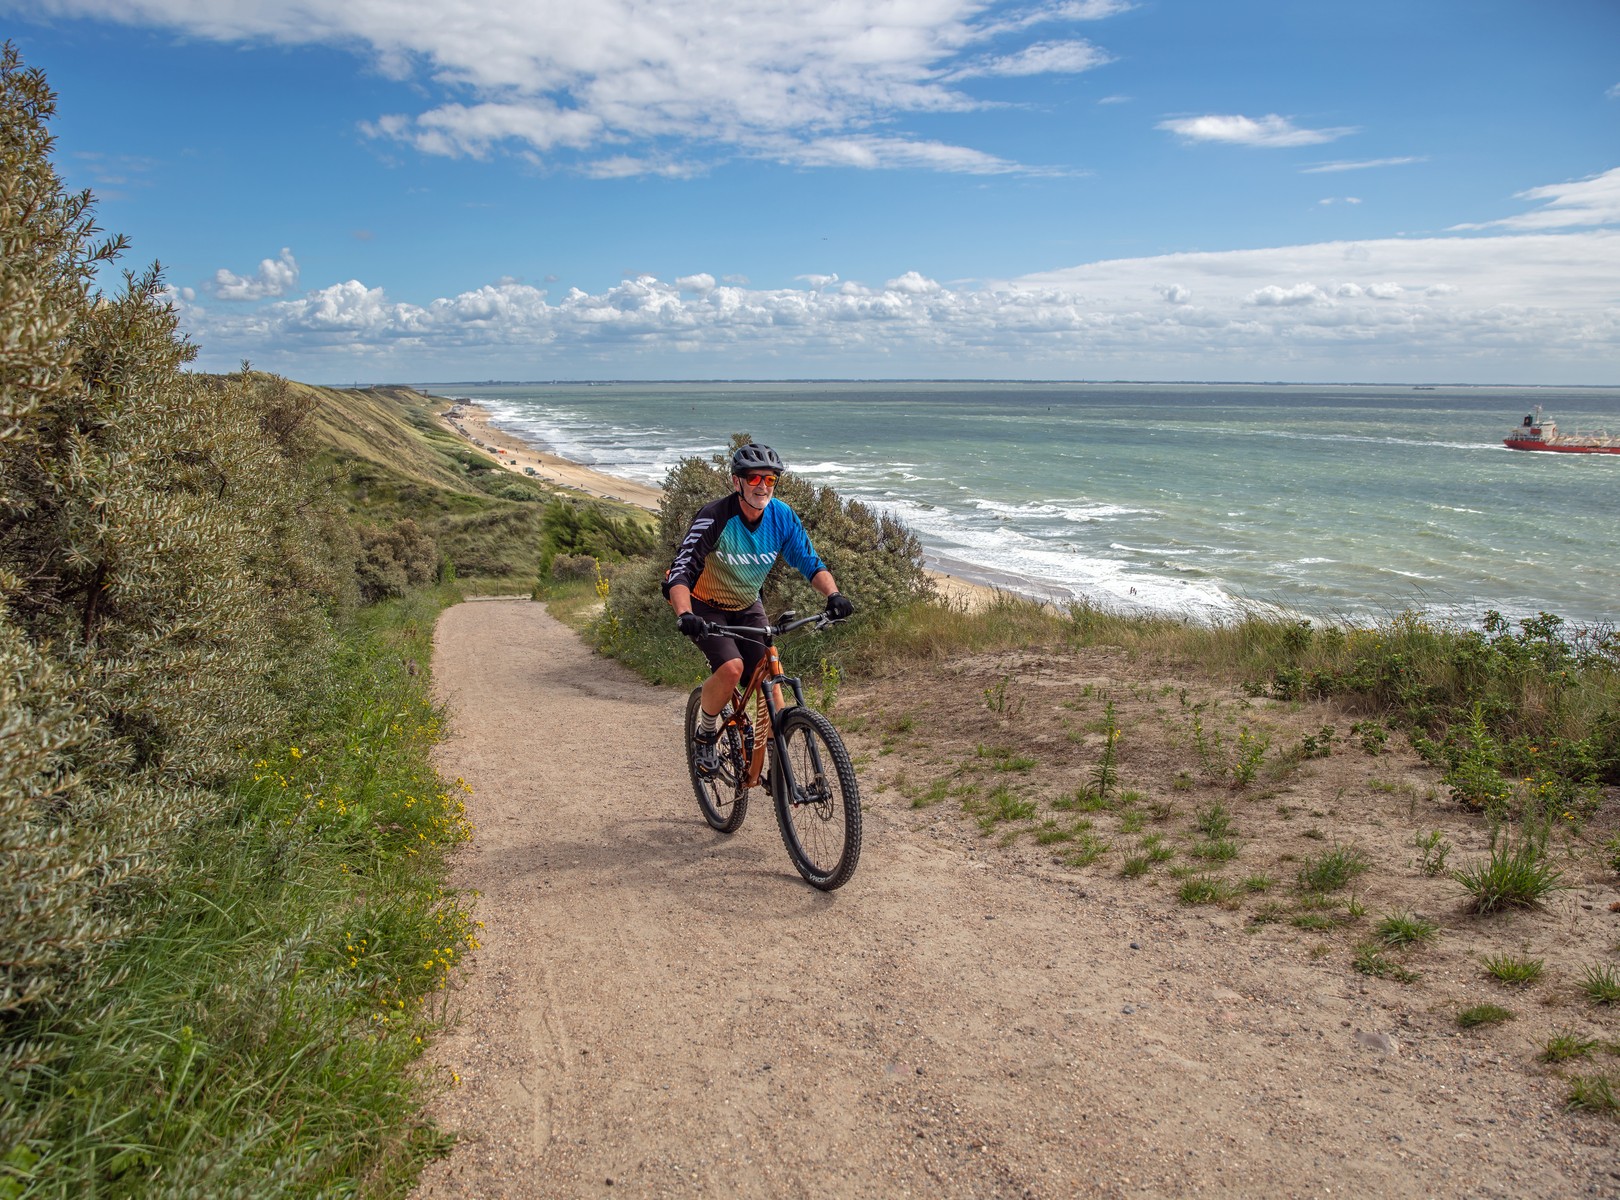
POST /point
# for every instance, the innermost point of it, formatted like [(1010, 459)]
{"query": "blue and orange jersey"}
[(724, 560)]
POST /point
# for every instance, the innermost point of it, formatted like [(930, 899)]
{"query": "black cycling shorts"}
[(719, 648)]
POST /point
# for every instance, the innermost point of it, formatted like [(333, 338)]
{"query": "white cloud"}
[(1519, 306), (1591, 201), (1363, 164), (1614, 92), (1084, 10), (569, 80), (1272, 296), (275, 277), (623, 166), (1269, 131), (1043, 58), (868, 152)]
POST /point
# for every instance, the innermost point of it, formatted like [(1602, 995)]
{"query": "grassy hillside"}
[(393, 460)]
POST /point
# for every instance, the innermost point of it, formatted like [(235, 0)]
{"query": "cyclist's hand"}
[(691, 625), (839, 606)]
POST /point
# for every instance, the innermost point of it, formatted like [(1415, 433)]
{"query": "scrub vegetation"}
[(221, 838)]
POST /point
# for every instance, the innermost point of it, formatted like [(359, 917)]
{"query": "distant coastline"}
[(958, 582), (430, 386)]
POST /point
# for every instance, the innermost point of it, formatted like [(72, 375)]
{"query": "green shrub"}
[(169, 568), (876, 559), (578, 528), (394, 559)]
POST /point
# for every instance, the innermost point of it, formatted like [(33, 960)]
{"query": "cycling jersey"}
[(724, 560)]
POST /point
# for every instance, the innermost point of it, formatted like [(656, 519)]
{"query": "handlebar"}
[(785, 623)]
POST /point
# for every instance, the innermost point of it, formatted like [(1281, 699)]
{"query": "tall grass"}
[(256, 1038)]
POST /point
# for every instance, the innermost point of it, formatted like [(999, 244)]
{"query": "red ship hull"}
[(1520, 444)]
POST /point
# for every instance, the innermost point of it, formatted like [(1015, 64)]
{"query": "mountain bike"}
[(793, 751)]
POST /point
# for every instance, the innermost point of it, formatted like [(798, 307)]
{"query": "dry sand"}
[(661, 1010)]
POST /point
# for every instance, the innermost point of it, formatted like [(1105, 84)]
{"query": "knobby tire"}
[(821, 824)]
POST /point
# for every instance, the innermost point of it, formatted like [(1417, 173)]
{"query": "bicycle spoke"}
[(817, 804)]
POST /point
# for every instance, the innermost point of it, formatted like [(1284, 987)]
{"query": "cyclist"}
[(719, 569)]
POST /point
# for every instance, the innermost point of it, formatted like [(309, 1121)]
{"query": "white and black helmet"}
[(752, 458)]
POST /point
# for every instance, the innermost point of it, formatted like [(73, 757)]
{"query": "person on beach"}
[(718, 572)]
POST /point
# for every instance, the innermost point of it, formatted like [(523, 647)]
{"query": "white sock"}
[(707, 722)]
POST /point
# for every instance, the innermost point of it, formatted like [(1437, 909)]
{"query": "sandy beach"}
[(521, 457), (516, 454)]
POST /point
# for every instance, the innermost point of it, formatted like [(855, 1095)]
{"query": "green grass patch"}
[(1515, 972), (1565, 1047), (1313, 920), (1516, 875), (998, 807), (1219, 850), (1483, 1014), (1601, 984), (1212, 820), (1404, 929), (936, 791), (1593, 1093), (1206, 889), (1333, 870), (1370, 959), (1086, 848)]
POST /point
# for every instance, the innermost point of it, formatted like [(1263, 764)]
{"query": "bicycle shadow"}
[(668, 856)]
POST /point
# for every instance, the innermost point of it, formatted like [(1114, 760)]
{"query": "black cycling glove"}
[(839, 606), (691, 625)]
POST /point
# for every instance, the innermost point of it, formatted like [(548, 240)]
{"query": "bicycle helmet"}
[(747, 460)]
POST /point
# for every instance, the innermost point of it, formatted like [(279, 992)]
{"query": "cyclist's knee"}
[(729, 672)]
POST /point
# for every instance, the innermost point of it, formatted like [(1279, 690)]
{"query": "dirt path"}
[(659, 1010)]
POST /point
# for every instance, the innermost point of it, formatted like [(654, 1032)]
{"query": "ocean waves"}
[(1200, 502)]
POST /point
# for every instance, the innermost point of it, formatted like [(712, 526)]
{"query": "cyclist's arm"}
[(680, 598), (824, 582)]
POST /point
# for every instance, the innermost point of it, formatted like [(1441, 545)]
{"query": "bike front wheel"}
[(722, 797), (818, 805)]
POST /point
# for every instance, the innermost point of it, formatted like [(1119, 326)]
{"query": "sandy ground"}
[(660, 1010), (516, 454)]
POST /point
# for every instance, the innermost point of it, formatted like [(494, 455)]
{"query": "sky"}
[(452, 190)]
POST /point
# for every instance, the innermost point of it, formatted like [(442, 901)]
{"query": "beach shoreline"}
[(516, 453)]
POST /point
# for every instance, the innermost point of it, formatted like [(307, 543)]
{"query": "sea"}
[(1341, 504)]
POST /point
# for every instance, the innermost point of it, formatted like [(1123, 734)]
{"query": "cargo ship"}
[(1535, 434)]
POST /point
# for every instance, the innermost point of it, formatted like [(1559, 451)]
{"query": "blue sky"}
[(342, 190)]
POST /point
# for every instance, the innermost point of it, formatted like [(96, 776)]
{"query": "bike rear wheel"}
[(818, 806), (721, 797)]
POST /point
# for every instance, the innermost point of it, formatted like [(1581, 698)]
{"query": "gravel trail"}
[(660, 1010)]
